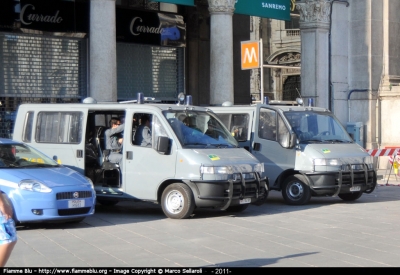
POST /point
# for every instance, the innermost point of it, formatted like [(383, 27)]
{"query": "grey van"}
[(191, 164), (305, 150)]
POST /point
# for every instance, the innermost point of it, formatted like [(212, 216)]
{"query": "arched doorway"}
[(291, 88)]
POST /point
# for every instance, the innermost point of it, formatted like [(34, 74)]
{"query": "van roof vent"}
[(89, 100), (227, 104)]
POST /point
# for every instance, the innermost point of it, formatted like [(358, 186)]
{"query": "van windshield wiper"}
[(222, 145), (338, 140), (219, 145), (313, 140), (206, 145)]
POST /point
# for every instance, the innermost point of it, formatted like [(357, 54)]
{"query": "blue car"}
[(40, 189)]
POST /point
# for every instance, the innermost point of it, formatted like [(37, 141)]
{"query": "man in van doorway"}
[(114, 140), (143, 133)]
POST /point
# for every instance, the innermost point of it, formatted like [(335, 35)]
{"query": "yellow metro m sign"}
[(250, 55)]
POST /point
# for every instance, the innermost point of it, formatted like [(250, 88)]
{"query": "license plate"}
[(244, 201), (76, 203), (355, 188)]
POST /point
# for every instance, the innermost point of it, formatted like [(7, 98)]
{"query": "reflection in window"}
[(28, 125), (59, 127), (267, 124)]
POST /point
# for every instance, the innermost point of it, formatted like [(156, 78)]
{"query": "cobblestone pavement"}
[(327, 232)]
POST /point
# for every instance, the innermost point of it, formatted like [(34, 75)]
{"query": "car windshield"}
[(199, 129), (317, 127), (20, 155)]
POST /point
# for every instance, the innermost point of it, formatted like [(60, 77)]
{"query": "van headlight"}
[(369, 161), (259, 167), (33, 186), (327, 163), (216, 170)]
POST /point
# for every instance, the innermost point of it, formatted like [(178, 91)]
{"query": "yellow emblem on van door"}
[(326, 151), (213, 157)]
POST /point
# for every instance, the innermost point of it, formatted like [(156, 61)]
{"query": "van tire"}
[(177, 201), (237, 208), (350, 196), (295, 191)]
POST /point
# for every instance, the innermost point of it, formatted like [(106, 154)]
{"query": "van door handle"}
[(129, 155), (79, 153)]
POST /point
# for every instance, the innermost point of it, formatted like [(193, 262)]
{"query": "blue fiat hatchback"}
[(40, 189)]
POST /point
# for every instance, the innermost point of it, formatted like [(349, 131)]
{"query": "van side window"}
[(59, 127), (267, 124), (143, 135), (28, 126), (239, 126)]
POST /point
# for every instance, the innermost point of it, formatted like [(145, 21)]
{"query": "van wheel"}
[(107, 202), (237, 208), (177, 201), (295, 191), (350, 196)]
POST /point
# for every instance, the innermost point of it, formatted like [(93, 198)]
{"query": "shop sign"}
[(274, 9), (54, 15), (179, 2), (161, 29)]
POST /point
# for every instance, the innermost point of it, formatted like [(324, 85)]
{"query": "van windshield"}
[(317, 127), (23, 156), (199, 129)]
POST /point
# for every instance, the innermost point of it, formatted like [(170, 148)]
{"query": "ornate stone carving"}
[(291, 57), (221, 6), (314, 11)]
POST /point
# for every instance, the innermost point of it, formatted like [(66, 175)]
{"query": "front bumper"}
[(340, 182), (55, 206), (224, 193)]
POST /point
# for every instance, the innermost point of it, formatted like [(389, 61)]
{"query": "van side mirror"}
[(163, 145), (293, 140), (288, 140)]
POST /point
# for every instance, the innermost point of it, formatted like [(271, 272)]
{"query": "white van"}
[(184, 168), (305, 150)]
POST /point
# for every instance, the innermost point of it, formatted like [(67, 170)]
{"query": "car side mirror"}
[(163, 145)]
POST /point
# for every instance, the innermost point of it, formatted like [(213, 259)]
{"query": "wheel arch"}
[(164, 185), (282, 177)]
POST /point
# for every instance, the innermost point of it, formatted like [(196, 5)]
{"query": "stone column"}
[(221, 56), (314, 28), (103, 63)]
